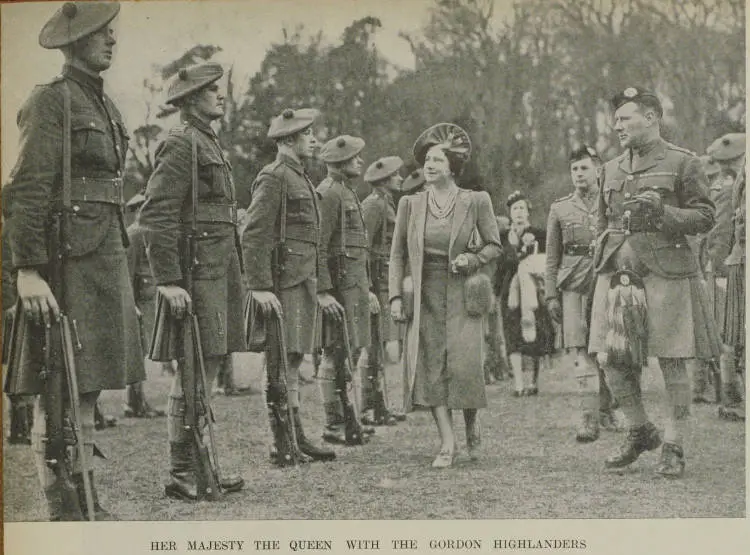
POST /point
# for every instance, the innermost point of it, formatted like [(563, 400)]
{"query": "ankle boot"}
[(588, 429), (100, 514), (316, 453), (672, 462), (62, 501), (639, 440), (283, 452), (182, 483), (333, 431)]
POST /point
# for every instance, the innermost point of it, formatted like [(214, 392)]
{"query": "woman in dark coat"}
[(529, 331), (443, 239)]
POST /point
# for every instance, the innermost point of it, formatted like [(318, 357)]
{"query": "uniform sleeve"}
[(329, 218), (601, 219), (133, 251), (159, 216), (258, 239), (397, 267), (696, 211), (372, 214), (554, 253), (37, 170), (719, 239)]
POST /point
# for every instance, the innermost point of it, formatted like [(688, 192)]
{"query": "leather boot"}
[(315, 453), (182, 483), (588, 429), (672, 462), (100, 514), (283, 452), (334, 428), (102, 420), (610, 420), (62, 501), (639, 440)]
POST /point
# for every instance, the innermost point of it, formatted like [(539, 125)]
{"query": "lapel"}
[(419, 211), (463, 201), (651, 159)]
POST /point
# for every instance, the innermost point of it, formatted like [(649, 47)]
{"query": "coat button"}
[(92, 124), (630, 178), (76, 208), (627, 195)]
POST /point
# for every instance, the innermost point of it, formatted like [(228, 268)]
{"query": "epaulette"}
[(178, 130), (324, 185), (670, 146), (566, 197)]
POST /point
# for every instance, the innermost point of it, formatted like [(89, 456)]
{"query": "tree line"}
[(528, 85)]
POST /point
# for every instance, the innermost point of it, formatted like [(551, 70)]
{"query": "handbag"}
[(478, 292)]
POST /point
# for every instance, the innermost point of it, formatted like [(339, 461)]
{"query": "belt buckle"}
[(626, 221), (118, 190)]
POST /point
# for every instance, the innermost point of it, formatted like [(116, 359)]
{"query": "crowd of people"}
[(643, 259)]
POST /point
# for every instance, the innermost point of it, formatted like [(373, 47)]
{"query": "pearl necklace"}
[(442, 212)]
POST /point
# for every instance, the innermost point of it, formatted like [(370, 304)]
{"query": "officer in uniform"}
[(342, 271), (379, 214), (191, 150), (144, 292), (571, 228), (729, 152), (72, 153), (287, 282), (648, 299)]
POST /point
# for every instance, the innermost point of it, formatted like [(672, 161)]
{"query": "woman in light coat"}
[(446, 242)]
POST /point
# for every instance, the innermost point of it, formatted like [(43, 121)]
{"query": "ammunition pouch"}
[(256, 326)]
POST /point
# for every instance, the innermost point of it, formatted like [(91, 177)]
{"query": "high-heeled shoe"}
[(445, 459), (474, 440)]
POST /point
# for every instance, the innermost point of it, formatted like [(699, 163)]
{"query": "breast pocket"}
[(212, 172), (124, 139), (663, 183), (88, 134), (300, 207), (352, 219)]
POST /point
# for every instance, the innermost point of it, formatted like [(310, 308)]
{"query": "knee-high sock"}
[(587, 376), (516, 364), (677, 399), (626, 388), (294, 360)]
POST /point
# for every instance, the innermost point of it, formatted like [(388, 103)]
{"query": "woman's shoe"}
[(531, 391), (445, 459)]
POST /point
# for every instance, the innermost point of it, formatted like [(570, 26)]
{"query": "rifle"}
[(63, 427), (190, 356), (353, 428)]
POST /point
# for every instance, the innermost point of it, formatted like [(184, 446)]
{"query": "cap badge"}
[(625, 280), (630, 92)]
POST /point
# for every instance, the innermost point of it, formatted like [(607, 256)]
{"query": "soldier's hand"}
[(555, 310), (397, 310), (331, 307), (178, 299), (268, 302), (651, 199), (36, 297), (374, 304), (138, 313)]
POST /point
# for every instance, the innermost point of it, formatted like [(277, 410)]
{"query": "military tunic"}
[(166, 216), (296, 281), (379, 214), (98, 298), (678, 312), (342, 258), (571, 233)]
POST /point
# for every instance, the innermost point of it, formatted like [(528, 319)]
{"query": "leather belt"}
[(578, 250), (97, 189), (630, 223), (216, 213)]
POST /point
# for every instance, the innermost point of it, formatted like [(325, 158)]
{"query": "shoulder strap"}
[(66, 162), (384, 227), (282, 213), (194, 145)]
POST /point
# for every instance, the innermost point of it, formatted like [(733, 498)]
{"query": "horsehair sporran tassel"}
[(627, 322)]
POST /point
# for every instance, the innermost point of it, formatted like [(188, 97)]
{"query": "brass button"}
[(92, 124), (76, 208), (630, 178), (627, 195)]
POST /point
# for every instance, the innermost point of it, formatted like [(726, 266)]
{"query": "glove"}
[(647, 206), (555, 309), (465, 264)]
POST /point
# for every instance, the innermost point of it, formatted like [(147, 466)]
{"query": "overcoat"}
[(295, 281), (465, 334), (97, 294), (342, 258), (379, 213), (166, 217)]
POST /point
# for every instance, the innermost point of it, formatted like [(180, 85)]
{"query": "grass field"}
[(531, 466)]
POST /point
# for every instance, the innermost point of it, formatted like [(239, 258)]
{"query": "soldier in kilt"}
[(166, 218), (571, 228), (281, 271), (342, 274), (729, 152), (379, 214), (648, 297), (83, 189)]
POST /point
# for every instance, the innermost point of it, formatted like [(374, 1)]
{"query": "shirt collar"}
[(84, 78), (338, 175), (199, 124), (296, 165)]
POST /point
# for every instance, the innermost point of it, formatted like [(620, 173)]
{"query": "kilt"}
[(300, 306), (734, 316), (99, 298), (218, 302), (574, 326), (680, 321)]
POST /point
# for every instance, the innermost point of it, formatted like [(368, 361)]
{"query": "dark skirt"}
[(734, 315), (300, 306)]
